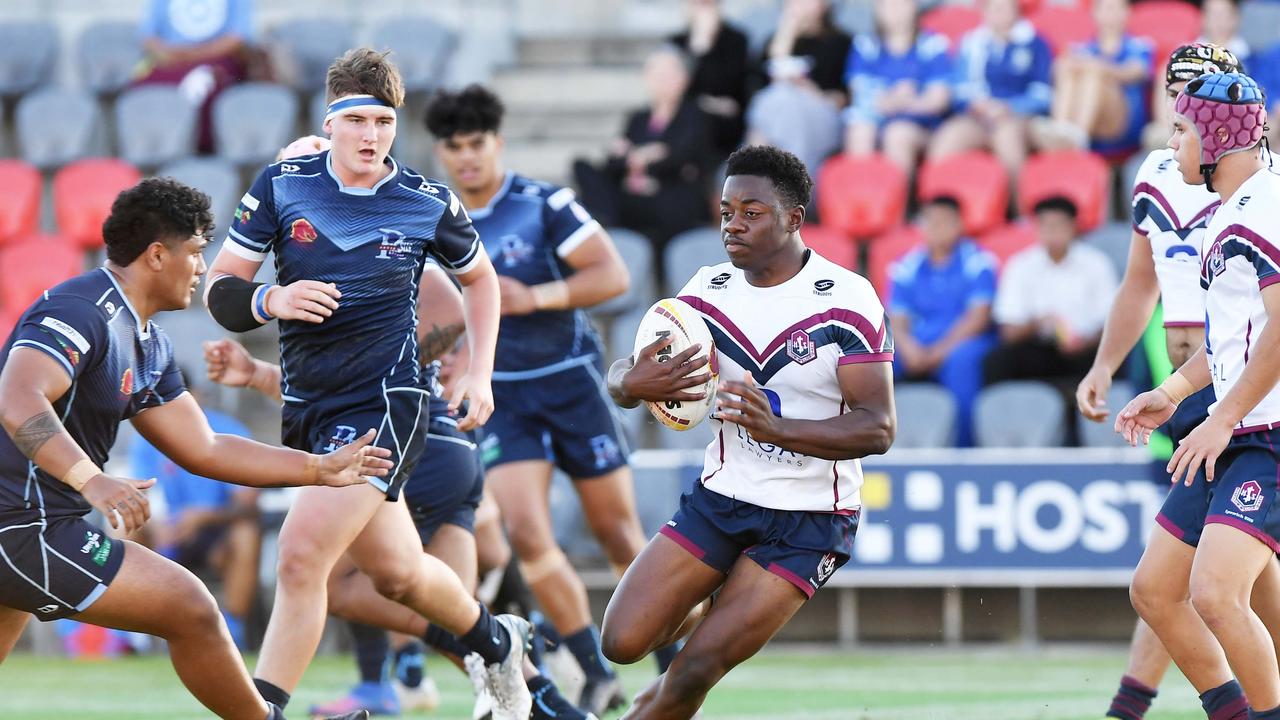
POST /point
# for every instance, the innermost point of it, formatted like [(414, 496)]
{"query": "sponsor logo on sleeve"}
[(67, 332), (249, 201)]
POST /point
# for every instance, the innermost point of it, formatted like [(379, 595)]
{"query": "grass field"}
[(782, 684)]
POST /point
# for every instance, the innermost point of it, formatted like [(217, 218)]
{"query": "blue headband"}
[(349, 101)]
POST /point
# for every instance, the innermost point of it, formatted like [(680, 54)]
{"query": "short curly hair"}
[(787, 173), (155, 210), (475, 108)]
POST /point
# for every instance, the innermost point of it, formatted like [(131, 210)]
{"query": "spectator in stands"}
[(720, 71), (1220, 25), (900, 83), (799, 110), (654, 180), (1001, 81), (1051, 303), (207, 524), (940, 307), (1101, 88), (202, 46)]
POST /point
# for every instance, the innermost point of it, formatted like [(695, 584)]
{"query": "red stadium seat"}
[(20, 186), (82, 195), (32, 265), (953, 21), (1062, 26), (1008, 240), (861, 197), (976, 180), (885, 250), (832, 245), (1082, 177), (1169, 23)]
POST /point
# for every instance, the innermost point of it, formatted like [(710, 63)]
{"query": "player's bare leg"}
[(609, 506), (153, 595), (1227, 563), (492, 549), (1148, 660), (1161, 594), (753, 605), (1266, 601), (12, 623), (238, 566)]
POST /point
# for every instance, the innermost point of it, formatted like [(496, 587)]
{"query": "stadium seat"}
[(1062, 26), (861, 197), (1019, 413), (687, 252), (56, 125), (1169, 23), (155, 124), (307, 47), (109, 53), (213, 176), (82, 195), (1258, 23), (637, 254), (1104, 434), (951, 21), (1082, 177), (926, 416), (421, 48), (832, 245), (1008, 240), (28, 51), (33, 264), (1113, 240), (885, 250), (252, 121), (976, 180), (21, 187)]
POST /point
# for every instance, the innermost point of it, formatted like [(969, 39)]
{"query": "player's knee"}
[(395, 581), (298, 566), (1145, 594), (194, 612), (621, 643), (1216, 604)]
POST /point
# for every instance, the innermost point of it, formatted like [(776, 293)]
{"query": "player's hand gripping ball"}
[(672, 345)]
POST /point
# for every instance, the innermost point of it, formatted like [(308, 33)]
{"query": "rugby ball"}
[(685, 326)]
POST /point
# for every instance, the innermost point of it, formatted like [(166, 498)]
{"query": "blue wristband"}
[(260, 303)]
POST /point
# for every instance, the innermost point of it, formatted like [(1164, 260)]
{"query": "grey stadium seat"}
[(28, 51), (109, 53), (155, 124), (306, 48), (1259, 22), (57, 125), (215, 177), (1103, 434), (689, 251), (1019, 413), (421, 48), (637, 254), (1113, 240), (252, 121), (926, 416)]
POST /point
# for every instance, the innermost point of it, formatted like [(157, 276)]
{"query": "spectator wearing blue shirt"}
[(899, 80), (940, 306), (1101, 88), (208, 524), (1001, 81), (202, 46)]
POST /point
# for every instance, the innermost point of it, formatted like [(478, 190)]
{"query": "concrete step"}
[(550, 160), (570, 89), (597, 50), (534, 124)]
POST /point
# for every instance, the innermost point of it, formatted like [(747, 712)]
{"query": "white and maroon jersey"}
[(1242, 257), (1173, 216), (791, 337)]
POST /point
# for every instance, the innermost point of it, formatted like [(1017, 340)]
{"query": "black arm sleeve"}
[(230, 303)]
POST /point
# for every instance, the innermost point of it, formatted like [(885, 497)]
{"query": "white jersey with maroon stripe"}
[(791, 337)]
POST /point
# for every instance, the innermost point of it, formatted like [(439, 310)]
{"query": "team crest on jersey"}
[(826, 567), (126, 382), (800, 347), (514, 250), (1248, 497), (302, 231), (392, 245), (1215, 260)]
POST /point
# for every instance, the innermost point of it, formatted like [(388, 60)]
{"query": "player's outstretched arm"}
[(1143, 414), (227, 362), (1130, 310), (867, 428), (180, 430), (644, 378), (481, 302), (31, 382)]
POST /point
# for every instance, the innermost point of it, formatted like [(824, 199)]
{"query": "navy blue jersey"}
[(371, 243), (118, 368), (529, 228)]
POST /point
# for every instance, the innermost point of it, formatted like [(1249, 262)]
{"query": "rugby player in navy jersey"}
[(553, 259), (351, 230), (85, 356)]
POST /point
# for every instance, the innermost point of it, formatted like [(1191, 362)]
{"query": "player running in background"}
[(351, 229), (1217, 130), (806, 388), (1169, 218), (552, 259), (83, 358)]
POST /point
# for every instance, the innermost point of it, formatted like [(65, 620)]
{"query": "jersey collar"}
[(328, 166), (143, 332), (485, 211)]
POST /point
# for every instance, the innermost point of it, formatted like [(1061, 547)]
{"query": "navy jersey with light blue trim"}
[(529, 228), (370, 243), (117, 369)]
